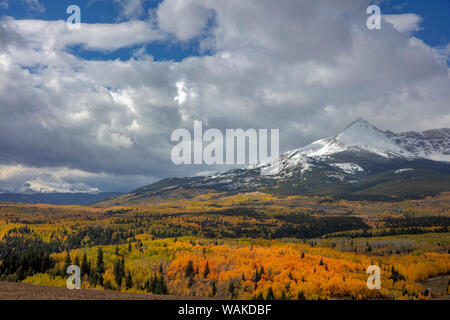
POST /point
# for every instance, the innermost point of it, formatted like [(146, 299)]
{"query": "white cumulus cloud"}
[(305, 67), (407, 23)]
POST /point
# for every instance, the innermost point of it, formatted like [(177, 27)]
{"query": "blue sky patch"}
[(436, 20), (435, 27)]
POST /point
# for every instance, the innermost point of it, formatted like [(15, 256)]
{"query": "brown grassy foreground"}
[(438, 287), (24, 291)]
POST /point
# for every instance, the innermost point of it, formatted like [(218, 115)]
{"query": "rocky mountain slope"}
[(359, 160)]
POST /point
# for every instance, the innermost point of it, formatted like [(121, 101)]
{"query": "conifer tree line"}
[(24, 254)]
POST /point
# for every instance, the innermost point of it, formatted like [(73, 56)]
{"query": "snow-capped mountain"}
[(46, 183), (361, 159), (431, 144), (4, 190), (358, 136), (363, 137)]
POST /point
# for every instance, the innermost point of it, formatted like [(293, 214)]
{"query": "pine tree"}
[(231, 289), (206, 271), (191, 281), (129, 281), (85, 266), (118, 273), (122, 267), (160, 286), (256, 276), (100, 266), (301, 296), (189, 269), (67, 262), (396, 276), (147, 286), (108, 285), (259, 296), (213, 288), (270, 295), (152, 284), (93, 278), (76, 261)]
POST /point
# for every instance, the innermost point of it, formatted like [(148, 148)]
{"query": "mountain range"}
[(46, 183), (46, 189), (359, 161)]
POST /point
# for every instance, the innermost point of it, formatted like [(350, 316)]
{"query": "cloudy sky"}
[(98, 105)]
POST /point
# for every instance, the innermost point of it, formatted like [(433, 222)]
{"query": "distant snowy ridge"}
[(46, 183), (2, 190)]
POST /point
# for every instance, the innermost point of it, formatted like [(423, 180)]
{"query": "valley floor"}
[(245, 246)]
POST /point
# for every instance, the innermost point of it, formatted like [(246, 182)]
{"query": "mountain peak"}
[(362, 134), (360, 122), (46, 183)]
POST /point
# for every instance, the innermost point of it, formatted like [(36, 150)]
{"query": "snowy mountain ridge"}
[(362, 136), (349, 157), (359, 161), (430, 144), (46, 183)]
